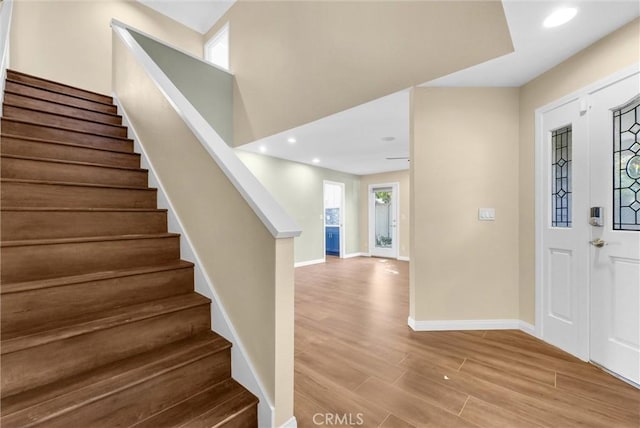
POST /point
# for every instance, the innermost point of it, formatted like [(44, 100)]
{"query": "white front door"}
[(565, 251), (589, 229), (383, 224), (614, 131)]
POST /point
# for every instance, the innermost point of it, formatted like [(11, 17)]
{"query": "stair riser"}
[(30, 91), (52, 86), (31, 262), (51, 171), (21, 225), (158, 393), (19, 147), (38, 104), (26, 368), (28, 309), (53, 119), (44, 132), (53, 195), (246, 419)]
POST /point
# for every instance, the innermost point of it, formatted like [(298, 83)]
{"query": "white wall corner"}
[(291, 423), (403, 258), (309, 262), (242, 369)]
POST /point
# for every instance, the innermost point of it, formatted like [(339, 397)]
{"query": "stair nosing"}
[(78, 131), (143, 372), (77, 240), (78, 163), (101, 321), (58, 83), (8, 79), (242, 390), (60, 115), (82, 209), (63, 281), (63, 143), (71, 183), (9, 91), (228, 418)]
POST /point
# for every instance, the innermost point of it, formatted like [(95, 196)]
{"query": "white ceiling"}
[(350, 141), (199, 15)]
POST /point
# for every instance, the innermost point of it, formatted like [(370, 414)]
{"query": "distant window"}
[(216, 50)]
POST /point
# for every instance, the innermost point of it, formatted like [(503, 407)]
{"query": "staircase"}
[(100, 325)]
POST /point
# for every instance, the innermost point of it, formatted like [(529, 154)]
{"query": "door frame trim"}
[(395, 186), (581, 94), (343, 233)]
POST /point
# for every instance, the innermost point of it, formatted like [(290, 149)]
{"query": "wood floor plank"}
[(486, 415), (355, 352)]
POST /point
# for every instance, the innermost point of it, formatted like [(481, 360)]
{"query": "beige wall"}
[(614, 52), (464, 156), (251, 272), (401, 177), (70, 41), (298, 188), (298, 61)]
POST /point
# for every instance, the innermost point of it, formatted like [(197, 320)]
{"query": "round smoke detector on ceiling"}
[(388, 138)]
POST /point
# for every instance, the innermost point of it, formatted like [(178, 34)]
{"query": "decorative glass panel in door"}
[(383, 218)]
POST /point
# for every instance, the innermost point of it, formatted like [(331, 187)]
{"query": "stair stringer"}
[(242, 369)]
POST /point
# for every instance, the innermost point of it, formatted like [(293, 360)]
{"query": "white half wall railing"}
[(6, 7), (272, 215)]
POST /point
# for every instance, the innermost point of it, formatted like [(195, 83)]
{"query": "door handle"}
[(598, 243)]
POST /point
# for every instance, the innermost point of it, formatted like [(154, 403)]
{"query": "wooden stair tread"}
[(62, 128), (19, 287), (89, 323), (9, 91), (63, 143), (73, 209), (61, 161), (68, 183), (44, 402), (107, 99), (39, 110), (56, 241), (226, 399)]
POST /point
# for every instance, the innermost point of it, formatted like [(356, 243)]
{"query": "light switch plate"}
[(486, 214)]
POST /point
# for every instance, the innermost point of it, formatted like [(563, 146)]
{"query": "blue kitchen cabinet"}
[(332, 239)]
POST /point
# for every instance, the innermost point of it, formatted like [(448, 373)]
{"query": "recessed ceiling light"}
[(560, 16), (315, 160), (291, 140), (388, 138), (263, 149)]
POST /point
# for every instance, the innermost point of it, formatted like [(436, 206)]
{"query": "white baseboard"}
[(444, 325), (242, 369), (403, 258), (291, 423), (351, 255), (309, 262), (528, 328), (448, 325)]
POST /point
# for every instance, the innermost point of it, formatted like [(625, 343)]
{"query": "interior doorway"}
[(334, 231), (588, 225), (383, 220)]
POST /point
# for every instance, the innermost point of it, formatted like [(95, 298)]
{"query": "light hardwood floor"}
[(359, 364)]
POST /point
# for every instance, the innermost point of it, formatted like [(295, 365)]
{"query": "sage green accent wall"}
[(208, 89), (299, 189)]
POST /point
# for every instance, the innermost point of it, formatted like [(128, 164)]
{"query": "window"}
[(216, 50), (626, 167), (561, 177)]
